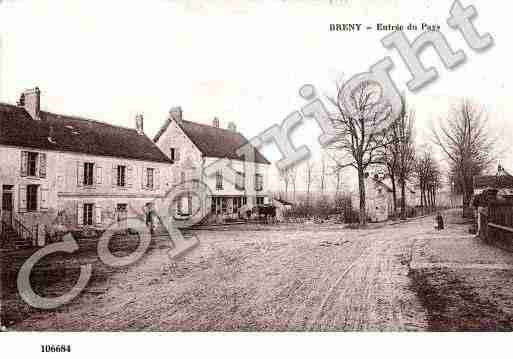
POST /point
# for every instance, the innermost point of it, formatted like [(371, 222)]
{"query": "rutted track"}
[(278, 278)]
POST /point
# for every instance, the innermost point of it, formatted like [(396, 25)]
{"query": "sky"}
[(242, 61)]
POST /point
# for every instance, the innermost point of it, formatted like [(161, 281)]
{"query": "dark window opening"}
[(88, 214), (150, 178), (88, 174), (219, 180), (32, 198), (122, 176)]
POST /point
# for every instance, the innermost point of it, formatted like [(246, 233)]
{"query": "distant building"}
[(379, 197), (502, 181), (192, 147)]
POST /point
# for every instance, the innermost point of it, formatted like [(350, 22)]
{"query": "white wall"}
[(61, 190)]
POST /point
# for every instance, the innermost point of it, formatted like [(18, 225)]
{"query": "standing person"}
[(439, 221), (148, 209)]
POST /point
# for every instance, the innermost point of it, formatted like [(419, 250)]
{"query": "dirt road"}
[(284, 277)]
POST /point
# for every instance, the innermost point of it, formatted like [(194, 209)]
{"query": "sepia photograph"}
[(316, 168)]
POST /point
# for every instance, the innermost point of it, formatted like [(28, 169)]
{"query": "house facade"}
[(79, 172), (194, 148), (501, 181), (379, 197)]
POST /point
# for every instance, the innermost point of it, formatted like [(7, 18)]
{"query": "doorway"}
[(7, 203)]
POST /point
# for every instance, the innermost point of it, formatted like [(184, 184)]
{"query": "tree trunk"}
[(361, 190), (394, 193), (403, 199), (422, 195)]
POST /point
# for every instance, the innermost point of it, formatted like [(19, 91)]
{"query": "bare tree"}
[(285, 178), (293, 181), (389, 157), (406, 152), (358, 137), (336, 172), (429, 178), (309, 178), (322, 174), (468, 144)]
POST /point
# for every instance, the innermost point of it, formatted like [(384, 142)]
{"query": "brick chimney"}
[(175, 113), (31, 101), (215, 122), (139, 124), (232, 126)]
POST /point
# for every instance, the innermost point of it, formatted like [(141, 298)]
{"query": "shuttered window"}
[(88, 174), (219, 180), (240, 181), (259, 182), (88, 214), (121, 175), (32, 164), (150, 178)]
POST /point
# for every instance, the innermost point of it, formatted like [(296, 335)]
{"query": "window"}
[(259, 182), (121, 210), (32, 164), (32, 198), (150, 175), (240, 182), (121, 176), (88, 214), (174, 154), (260, 201), (88, 174), (219, 180)]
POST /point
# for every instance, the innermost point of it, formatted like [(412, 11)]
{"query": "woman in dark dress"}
[(439, 221)]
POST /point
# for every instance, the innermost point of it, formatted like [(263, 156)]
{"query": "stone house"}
[(501, 181), (193, 147), (82, 173), (380, 199)]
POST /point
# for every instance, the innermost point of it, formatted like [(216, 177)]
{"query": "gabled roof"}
[(213, 141), (74, 134)]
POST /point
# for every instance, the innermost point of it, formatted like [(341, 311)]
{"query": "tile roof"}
[(213, 141), (74, 134)]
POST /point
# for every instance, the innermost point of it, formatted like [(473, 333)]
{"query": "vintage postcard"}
[(171, 166)]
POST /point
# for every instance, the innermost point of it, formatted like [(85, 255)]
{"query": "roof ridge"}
[(81, 118), (217, 128), (75, 117)]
